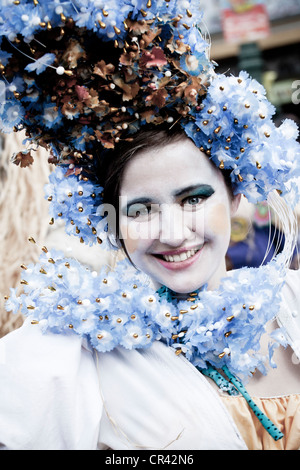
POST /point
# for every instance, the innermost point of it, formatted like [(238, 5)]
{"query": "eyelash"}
[(184, 202)]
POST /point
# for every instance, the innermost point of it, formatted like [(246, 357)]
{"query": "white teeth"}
[(181, 256)]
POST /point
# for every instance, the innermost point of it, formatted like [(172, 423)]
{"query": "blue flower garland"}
[(120, 308)]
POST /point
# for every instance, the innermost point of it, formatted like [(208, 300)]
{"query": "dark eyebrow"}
[(204, 188), (139, 200)]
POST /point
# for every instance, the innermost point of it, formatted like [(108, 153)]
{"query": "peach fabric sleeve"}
[(284, 412)]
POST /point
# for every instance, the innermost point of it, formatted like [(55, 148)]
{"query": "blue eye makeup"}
[(142, 208)]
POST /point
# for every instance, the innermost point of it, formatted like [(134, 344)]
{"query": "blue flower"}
[(41, 64), (11, 115)]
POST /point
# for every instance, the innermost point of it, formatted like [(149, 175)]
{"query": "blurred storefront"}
[(263, 38), (268, 48)]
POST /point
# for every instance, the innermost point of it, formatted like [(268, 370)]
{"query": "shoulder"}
[(289, 315), (49, 391)]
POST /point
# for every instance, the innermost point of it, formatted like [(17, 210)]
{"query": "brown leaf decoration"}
[(73, 171), (158, 98), (103, 69), (150, 35), (73, 53), (155, 58), (82, 92), (191, 91), (106, 139), (23, 159), (137, 27), (130, 90)]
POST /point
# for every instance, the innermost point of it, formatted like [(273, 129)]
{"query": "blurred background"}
[(262, 38)]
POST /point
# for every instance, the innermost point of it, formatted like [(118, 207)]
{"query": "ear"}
[(235, 204)]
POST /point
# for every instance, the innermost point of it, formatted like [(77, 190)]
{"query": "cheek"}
[(218, 220), (135, 237)]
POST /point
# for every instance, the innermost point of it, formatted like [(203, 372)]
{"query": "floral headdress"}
[(82, 75)]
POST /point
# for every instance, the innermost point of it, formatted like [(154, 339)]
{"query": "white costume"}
[(57, 393)]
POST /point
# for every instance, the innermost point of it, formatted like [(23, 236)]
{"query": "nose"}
[(174, 225)]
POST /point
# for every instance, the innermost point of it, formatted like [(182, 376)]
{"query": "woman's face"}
[(175, 215)]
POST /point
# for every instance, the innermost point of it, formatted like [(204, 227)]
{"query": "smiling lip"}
[(179, 259)]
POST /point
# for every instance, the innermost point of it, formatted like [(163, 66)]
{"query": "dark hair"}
[(112, 168)]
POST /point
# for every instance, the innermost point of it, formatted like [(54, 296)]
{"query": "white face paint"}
[(175, 216)]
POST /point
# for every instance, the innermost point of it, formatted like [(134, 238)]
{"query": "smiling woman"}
[(175, 226), (153, 151)]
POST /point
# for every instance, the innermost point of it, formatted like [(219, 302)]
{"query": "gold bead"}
[(135, 335), (267, 134), (34, 322), (60, 307), (104, 281), (133, 317), (99, 336), (67, 265), (119, 320), (51, 260), (117, 30), (217, 130), (70, 326), (228, 333), (178, 351), (221, 166), (251, 307), (31, 240), (51, 221), (30, 307), (183, 311), (221, 355), (174, 318), (80, 209), (258, 165), (42, 271), (105, 13), (229, 319), (149, 4), (205, 122), (189, 14), (262, 116), (167, 314), (98, 300), (23, 266), (240, 178), (193, 307)]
